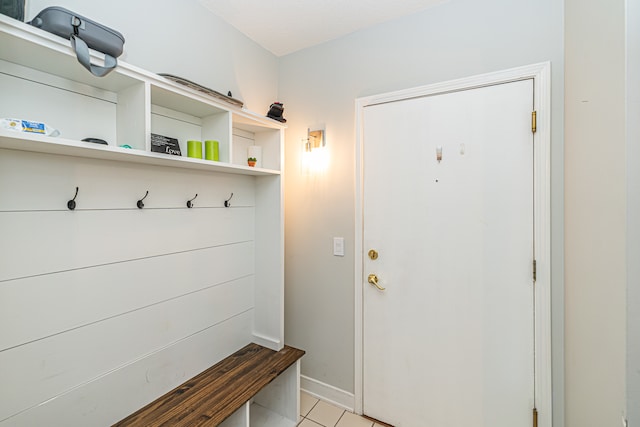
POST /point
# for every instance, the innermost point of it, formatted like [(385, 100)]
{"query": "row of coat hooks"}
[(71, 204)]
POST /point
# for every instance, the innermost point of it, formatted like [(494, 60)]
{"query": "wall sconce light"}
[(315, 139), (315, 157)]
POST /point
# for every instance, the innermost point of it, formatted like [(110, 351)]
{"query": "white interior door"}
[(450, 340)]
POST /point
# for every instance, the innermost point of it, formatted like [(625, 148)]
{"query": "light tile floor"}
[(318, 413)]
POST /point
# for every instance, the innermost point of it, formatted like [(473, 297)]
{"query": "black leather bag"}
[(84, 34)]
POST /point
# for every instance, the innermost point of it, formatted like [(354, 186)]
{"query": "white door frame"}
[(540, 73)]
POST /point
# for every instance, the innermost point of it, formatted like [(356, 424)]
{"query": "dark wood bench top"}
[(213, 395)]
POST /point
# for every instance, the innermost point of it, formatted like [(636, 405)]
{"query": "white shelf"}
[(252, 122), (263, 417), (31, 47), (175, 99), (66, 147), (122, 106)]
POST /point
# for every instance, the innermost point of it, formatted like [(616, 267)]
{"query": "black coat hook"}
[(189, 204), (71, 204), (227, 203), (140, 204)]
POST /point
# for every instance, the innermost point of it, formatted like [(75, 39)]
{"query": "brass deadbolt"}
[(373, 254)]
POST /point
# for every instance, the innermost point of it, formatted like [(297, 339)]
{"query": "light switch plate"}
[(338, 246)]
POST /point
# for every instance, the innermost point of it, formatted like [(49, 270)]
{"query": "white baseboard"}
[(266, 341), (328, 393)]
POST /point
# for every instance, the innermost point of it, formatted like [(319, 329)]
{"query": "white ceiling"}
[(285, 26)]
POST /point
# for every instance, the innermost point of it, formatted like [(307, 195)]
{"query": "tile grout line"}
[(304, 417), (310, 420), (310, 409), (344, 411), (314, 405)]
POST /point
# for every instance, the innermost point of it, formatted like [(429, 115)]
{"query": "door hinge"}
[(535, 417), (534, 121), (535, 270)]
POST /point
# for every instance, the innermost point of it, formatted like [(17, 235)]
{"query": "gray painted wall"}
[(595, 213), (318, 87)]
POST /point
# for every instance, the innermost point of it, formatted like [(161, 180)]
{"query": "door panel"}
[(450, 340)]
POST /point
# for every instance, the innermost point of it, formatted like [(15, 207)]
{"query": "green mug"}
[(212, 150), (194, 149)]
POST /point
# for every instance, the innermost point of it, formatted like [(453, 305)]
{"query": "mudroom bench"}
[(253, 386)]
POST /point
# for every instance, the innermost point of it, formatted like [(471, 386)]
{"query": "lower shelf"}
[(255, 415), (262, 417), (44, 144)]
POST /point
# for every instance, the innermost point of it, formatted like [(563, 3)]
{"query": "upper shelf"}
[(251, 122), (32, 47), (26, 45), (35, 49)]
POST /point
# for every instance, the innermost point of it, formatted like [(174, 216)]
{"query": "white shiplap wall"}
[(105, 308)]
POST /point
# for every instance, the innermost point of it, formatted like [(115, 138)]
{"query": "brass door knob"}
[(373, 254), (373, 280)]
